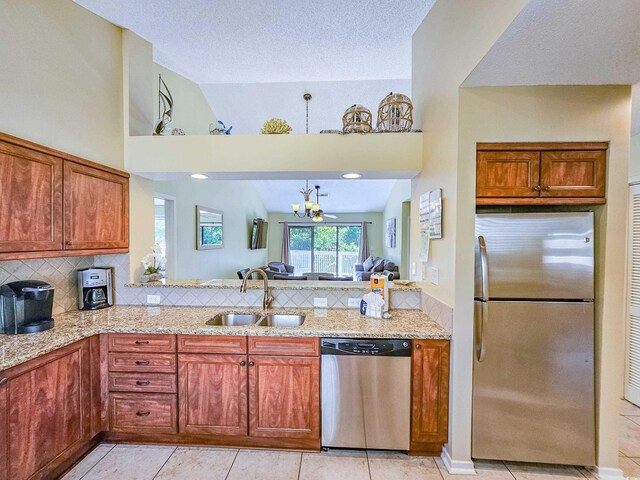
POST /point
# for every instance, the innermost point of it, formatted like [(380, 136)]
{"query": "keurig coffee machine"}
[(94, 288), (25, 307)]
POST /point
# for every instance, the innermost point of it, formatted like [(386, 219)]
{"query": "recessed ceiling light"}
[(351, 175), (199, 176)]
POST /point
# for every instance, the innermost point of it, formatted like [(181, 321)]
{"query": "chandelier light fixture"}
[(311, 209)]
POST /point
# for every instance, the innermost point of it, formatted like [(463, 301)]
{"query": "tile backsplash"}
[(59, 272), (438, 311)]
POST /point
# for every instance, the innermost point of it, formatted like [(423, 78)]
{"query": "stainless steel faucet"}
[(267, 299)]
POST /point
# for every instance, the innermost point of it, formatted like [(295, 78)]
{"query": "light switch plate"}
[(434, 275), (354, 303), (320, 302), (153, 299)]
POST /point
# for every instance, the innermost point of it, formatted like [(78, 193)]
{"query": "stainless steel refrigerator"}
[(533, 376)]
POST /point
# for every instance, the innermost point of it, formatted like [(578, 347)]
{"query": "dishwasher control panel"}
[(365, 346)]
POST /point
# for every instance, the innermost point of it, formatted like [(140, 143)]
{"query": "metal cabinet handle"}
[(243, 363), (143, 413), (142, 362), (142, 342), (3, 380), (536, 188), (143, 383), (418, 346), (68, 242), (251, 364), (547, 188)]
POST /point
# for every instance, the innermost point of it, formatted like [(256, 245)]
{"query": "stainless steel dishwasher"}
[(366, 393)]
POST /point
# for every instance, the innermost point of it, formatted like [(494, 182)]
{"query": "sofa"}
[(379, 265), (278, 268)]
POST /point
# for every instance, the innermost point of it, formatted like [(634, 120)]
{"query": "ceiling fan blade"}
[(328, 215)]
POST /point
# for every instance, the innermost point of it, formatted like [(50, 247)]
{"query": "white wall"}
[(247, 106), (400, 193), (239, 204), (374, 231), (61, 78), (191, 111), (449, 43)]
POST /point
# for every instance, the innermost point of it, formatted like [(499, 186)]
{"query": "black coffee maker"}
[(26, 307)]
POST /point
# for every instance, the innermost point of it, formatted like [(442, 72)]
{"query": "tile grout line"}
[(509, 470), (438, 468), (366, 453), (300, 465), (165, 462), (232, 463), (94, 465)]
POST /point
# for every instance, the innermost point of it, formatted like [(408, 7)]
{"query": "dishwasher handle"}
[(366, 347)]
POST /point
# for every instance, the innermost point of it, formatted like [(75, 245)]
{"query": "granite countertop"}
[(73, 326), (274, 284)]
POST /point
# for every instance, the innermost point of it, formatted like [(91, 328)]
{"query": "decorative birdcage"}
[(395, 113), (356, 119)]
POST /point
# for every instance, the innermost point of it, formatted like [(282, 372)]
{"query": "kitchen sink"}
[(281, 320), (234, 319)]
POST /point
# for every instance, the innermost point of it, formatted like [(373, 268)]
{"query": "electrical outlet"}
[(434, 275), (153, 299), (320, 302), (354, 303)]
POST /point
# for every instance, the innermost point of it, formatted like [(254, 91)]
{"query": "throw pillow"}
[(367, 265), (279, 267), (390, 266), (378, 265)]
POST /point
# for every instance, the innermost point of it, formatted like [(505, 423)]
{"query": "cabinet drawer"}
[(226, 345), (143, 382), (142, 362), (305, 347), (141, 413), (134, 342)]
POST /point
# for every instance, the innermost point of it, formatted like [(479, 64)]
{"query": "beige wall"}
[(139, 85), (400, 193), (239, 203), (191, 111), (141, 220), (374, 231), (449, 43), (634, 160), (61, 78), (561, 113)]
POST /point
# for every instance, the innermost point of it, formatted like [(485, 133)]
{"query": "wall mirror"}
[(209, 232)]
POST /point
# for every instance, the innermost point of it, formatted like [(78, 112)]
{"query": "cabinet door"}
[(573, 174), (508, 174), (213, 394), (96, 208), (48, 411), (31, 206), (284, 397), (430, 395)]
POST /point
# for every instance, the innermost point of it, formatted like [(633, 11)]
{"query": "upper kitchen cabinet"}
[(55, 204), (541, 173), (96, 208)]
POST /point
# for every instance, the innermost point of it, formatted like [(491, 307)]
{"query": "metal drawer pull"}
[(3, 380), (243, 363), (142, 342), (143, 413), (142, 383), (142, 362), (251, 364)]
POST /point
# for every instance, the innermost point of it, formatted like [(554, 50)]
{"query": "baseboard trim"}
[(609, 473), (458, 467)]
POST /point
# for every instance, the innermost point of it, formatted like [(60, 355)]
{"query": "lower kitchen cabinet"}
[(430, 396), (213, 394), (284, 397), (46, 414)]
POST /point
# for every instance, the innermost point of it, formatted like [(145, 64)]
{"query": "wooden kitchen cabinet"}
[(213, 394), (541, 173), (46, 414), (284, 397), (55, 204), (430, 396)]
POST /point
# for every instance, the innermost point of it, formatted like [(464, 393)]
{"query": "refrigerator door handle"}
[(484, 263), (481, 349)]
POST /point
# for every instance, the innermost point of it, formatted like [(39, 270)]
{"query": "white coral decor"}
[(275, 126)]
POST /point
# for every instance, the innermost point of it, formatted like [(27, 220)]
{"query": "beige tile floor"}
[(134, 462)]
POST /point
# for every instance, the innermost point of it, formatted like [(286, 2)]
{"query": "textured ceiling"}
[(344, 195), (568, 42), (245, 41)]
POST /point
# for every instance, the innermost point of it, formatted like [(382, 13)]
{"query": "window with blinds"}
[(632, 388)]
